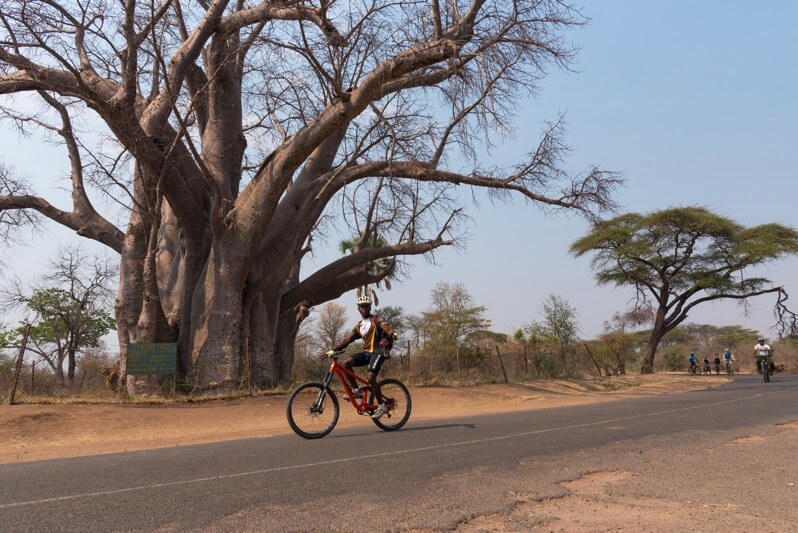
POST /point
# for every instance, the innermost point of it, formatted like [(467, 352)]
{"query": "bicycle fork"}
[(318, 406)]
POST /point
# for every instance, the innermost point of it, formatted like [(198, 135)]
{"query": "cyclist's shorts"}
[(373, 359)]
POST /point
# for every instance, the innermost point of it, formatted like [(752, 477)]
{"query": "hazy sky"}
[(694, 102)]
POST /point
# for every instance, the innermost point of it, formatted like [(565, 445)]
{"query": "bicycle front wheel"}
[(312, 410), (397, 399)]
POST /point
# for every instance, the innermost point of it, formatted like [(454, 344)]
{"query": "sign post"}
[(145, 358)]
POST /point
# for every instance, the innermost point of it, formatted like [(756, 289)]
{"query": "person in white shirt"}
[(763, 351)]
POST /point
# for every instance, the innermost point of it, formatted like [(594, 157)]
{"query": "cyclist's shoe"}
[(380, 412)]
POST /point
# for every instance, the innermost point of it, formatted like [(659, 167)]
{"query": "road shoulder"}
[(37, 432)]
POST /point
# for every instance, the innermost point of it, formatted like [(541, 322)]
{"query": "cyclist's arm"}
[(349, 339)]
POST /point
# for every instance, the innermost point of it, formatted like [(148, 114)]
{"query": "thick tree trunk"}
[(287, 329), (71, 365), (129, 299), (651, 348), (59, 372), (263, 323), (216, 318)]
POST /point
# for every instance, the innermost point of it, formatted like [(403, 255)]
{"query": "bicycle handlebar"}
[(333, 355)]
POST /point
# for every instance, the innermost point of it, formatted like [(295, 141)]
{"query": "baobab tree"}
[(236, 129)]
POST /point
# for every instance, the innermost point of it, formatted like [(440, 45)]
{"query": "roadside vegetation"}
[(450, 343), (548, 347)]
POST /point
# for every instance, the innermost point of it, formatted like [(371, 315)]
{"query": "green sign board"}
[(151, 358)]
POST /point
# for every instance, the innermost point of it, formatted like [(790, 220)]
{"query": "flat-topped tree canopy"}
[(681, 257)]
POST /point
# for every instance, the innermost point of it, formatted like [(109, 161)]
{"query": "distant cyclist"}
[(716, 362), (762, 351), (707, 369), (728, 358), (693, 362)]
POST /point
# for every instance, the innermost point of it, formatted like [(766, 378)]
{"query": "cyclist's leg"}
[(358, 359), (375, 364)]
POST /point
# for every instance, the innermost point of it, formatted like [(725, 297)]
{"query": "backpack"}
[(382, 335)]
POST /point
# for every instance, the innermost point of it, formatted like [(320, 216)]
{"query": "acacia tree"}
[(679, 258), (560, 324), (71, 311), (233, 127), (452, 318)]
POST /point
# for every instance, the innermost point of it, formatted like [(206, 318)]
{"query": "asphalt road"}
[(430, 475)]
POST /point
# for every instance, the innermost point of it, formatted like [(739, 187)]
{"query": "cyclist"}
[(716, 363), (728, 357), (763, 351), (707, 369), (693, 362), (377, 336)]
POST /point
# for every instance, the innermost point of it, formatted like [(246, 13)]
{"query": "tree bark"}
[(287, 329), (262, 320), (216, 318), (59, 372), (71, 365), (657, 332)]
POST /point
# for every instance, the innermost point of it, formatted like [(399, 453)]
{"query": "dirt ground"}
[(34, 432)]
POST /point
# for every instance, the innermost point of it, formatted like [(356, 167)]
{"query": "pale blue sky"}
[(694, 102)]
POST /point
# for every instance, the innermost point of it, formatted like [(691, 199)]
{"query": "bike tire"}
[(765, 372), (304, 418), (399, 403)]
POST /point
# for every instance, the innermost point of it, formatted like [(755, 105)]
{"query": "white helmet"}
[(364, 300)]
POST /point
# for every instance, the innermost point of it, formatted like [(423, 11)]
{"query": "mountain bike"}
[(313, 408), (729, 369), (694, 368)]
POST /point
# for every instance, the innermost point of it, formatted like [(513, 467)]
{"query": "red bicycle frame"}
[(362, 406)]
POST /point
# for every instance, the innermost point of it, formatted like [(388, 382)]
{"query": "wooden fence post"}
[(18, 368), (81, 379), (593, 358), (504, 372), (32, 377)]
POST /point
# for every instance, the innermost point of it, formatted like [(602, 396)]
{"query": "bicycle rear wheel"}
[(765, 371), (312, 411), (397, 398)]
